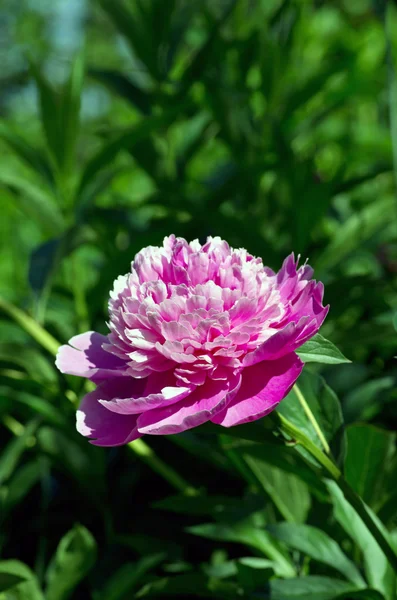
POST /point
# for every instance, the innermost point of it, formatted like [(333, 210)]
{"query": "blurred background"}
[(270, 123)]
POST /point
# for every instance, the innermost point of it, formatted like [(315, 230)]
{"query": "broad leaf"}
[(289, 493), (318, 545), (307, 588), (250, 535), (28, 587), (253, 572), (8, 580), (325, 407), (367, 594), (369, 451), (320, 350)]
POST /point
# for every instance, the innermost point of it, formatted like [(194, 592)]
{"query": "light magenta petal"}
[(196, 409), (158, 390), (101, 426), (263, 386), (85, 357)]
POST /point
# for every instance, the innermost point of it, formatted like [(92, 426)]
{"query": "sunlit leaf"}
[(318, 349), (74, 558)]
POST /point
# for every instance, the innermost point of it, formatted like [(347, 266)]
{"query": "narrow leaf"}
[(378, 571), (74, 558)]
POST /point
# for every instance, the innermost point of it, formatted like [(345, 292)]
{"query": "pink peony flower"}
[(197, 333)]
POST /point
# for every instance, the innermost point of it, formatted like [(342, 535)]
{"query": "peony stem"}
[(312, 419), (354, 499), (146, 453)]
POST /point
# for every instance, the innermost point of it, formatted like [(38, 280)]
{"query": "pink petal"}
[(196, 409), (157, 391), (290, 337), (85, 357), (263, 386), (103, 427)]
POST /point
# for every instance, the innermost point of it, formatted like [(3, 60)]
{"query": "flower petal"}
[(85, 357), (159, 390), (263, 386), (196, 409), (103, 427), (287, 339)]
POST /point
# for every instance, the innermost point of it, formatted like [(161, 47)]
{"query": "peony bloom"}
[(197, 333)]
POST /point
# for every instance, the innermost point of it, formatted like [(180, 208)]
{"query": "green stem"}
[(312, 419), (331, 468), (154, 462), (31, 326)]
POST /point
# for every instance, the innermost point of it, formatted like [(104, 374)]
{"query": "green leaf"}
[(364, 401), (125, 579), (223, 508), (369, 451), (273, 452), (28, 588), (320, 350), (33, 157), (307, 588), (33, 328), (74, 558), (12, 452), (318, 545), (46, 259), (367, 594), (250, 535), (124, 141), (95, 188), (42, 263), (70, 112), (20, 485), (196, 584), (136, 31), (289, 493), (8, 580), (125, 88), (253, 573), (325, 407), (35, 201), (378, 571), (194, 70), (50, 114), (355, 231), (44, 408), (30, 359)]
